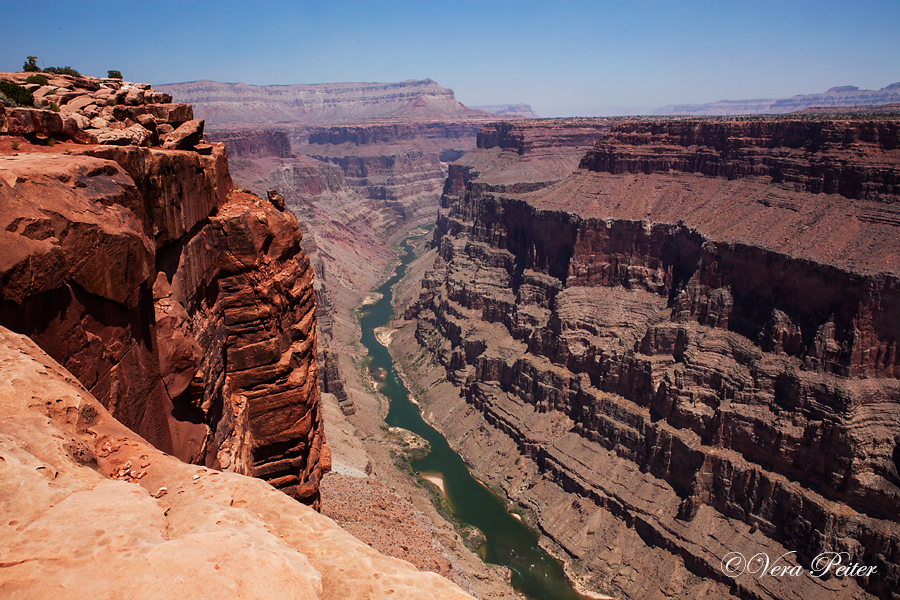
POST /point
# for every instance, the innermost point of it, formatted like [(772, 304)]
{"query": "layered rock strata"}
[(223, 104), (91, 510), (187, 309), (400, 164), (685, 348)]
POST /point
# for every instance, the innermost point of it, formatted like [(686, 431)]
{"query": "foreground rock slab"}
[(91, 510)]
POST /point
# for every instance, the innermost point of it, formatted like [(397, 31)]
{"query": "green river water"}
[(509, 542)]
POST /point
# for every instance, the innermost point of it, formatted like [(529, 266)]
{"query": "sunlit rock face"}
[(186, 307), (683, 346)]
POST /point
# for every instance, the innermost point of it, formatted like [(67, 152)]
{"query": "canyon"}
[(676, 344), (660, 340), (158, 334)]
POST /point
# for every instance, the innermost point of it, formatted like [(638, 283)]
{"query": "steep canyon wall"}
[(186, 308), (684, 348)]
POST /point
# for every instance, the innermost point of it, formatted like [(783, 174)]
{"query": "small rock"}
[(160, 492)]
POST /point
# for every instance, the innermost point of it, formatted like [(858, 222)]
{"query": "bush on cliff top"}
[(38, 79), (30, 65), (114, 74), (62, 71), (16, 93)]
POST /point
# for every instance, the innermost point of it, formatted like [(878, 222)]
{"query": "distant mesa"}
[(512, 110), (234, 104), (843, 96)]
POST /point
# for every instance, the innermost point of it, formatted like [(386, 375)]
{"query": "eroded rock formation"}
[(186, 308), (685, 348)]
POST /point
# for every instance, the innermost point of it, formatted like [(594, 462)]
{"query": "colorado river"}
[(508, 541)]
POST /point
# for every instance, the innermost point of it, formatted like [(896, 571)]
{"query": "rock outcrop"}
[(92, 510), (101, 111), (685, 348), (186, 307)]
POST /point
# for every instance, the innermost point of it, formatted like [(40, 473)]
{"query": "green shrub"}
[(114, 74), (38, 79), (16, 93), (30, 65), (62, 71), (15, 145), (54, 107)]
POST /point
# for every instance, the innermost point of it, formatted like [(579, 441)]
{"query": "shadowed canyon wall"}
[(684, 348)]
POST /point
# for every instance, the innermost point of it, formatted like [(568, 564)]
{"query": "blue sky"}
[(563, 58)]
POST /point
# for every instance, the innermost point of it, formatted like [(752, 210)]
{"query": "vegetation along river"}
[(508, 541)]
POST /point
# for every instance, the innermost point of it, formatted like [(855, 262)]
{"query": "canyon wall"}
[(186, 307), (684, 348), (223, 104)]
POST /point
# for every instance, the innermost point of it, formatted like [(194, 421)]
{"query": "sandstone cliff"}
[(187, 309), (685, 348), (91, 510)]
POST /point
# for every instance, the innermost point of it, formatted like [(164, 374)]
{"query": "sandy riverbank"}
[(436, 479), (384, 335)]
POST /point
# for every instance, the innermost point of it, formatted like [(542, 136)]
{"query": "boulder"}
[(134, 97), (147, 121), (43, 91), (185, 137), (77, 103), (276, 199)]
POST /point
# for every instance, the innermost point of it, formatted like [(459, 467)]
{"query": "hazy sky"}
[(563, 58)]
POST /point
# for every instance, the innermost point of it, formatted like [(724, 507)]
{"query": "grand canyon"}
[(660, 341)]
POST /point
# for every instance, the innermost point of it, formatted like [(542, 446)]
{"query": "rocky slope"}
[(836, 97), (327, 103), (91, 510), (685, 348), (187, 310)]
